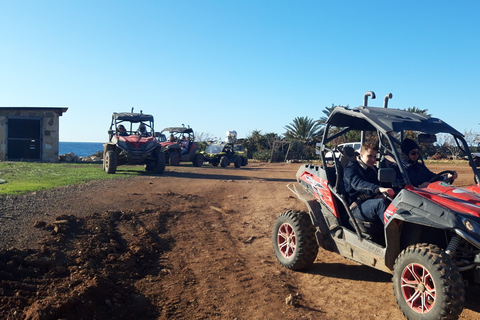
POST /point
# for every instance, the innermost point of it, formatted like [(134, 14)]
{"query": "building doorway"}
[(24, 138)]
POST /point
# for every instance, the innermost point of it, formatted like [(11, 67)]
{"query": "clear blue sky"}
[(237, 65)]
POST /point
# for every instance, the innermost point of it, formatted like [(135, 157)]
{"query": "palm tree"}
[(418, 110), (327, 112), (304, 129)]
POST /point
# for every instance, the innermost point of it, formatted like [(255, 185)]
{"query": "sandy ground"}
[(193, 243)]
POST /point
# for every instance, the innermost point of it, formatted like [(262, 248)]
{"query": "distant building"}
[(29, 133)]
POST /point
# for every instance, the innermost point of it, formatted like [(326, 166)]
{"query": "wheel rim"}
[(287, 240), (418, 288)]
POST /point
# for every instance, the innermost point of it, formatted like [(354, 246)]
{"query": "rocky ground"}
[(193, 243)]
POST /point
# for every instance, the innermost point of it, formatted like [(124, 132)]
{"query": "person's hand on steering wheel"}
[(450, 175)]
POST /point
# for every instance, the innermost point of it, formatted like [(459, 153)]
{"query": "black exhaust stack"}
[(366, 95), (385, 100)]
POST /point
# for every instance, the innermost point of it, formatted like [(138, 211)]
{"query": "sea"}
[(81, 149)]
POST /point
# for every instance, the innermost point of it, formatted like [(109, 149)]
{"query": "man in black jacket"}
[(363, 188)]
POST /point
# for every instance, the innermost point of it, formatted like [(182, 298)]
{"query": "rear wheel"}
[(110, 161), (293, 239), (198, 160), (427, 284), (215, 162), (174, 159), (224, 162)]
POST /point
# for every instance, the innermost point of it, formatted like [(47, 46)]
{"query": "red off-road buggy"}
[(431, 239), (133, 146), (179, 145)]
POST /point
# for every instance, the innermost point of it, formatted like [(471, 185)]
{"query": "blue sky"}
[(237, 65)]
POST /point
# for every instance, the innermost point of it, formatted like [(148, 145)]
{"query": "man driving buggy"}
[(363, 188), (419, 175)]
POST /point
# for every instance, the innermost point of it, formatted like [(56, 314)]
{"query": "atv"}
[(129, 146), (224, 153), (180, 146), (430, 241)]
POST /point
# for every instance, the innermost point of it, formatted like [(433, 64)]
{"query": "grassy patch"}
[(23, 177)]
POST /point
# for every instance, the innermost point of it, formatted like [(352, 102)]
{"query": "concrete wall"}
[(50, 132)]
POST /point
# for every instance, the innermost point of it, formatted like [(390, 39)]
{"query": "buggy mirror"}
[(387, 175), (110, 132), (427, 138)]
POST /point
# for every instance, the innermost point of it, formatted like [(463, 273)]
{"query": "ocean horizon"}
[(81, 149)]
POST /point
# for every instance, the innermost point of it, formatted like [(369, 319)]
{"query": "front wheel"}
[(427, 284), (224, 162), (293, 239), (110, 161), (238, 162), (198, 160), (244, 161), (159, 162)]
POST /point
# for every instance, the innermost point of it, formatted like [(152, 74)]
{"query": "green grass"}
[(24, 177)]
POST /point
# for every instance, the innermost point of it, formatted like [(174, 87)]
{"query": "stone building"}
[(29, 133)]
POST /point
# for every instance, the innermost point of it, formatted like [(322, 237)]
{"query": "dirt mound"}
[(86, 268)]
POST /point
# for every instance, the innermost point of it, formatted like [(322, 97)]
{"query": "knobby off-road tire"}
[(224, 162), (427, 285), (293, 239), (198, 160), (174, 158), (110, 161), (244, 161), (160, 162), (238, 163)]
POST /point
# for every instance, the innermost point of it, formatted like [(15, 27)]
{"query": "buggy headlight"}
[(471, 225), (468, 225)]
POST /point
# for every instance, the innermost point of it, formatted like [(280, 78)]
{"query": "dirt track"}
[(193, 243)]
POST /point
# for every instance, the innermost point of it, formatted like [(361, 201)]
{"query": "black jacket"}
[(361, 182)]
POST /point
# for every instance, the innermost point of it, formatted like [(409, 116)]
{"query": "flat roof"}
[(59, 110)]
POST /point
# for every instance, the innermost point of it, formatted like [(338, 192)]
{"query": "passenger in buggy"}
[(364, 192)]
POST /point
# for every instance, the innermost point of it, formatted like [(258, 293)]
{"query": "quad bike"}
[(180, 146), (430, 238), (225, 153), (133, 146)]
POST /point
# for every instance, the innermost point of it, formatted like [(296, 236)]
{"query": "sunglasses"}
[(414, 153)]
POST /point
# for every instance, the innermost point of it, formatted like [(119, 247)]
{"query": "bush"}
[(263, 155)]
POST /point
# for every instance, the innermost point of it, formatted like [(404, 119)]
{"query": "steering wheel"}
[(438, 175)]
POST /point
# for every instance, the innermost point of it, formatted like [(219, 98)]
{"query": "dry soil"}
[(192, 243)]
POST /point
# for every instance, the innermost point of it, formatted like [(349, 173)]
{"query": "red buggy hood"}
[(136, 141), (464, 200)]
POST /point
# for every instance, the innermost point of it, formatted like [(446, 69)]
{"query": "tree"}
[(257, 142), (447, 142), (304, 129)]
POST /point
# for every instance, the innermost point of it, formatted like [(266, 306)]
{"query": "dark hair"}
[(121, 127), (367, 146)]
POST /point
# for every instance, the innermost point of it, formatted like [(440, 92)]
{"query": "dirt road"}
[(193, 243)]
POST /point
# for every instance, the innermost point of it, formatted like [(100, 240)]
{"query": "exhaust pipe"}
[(385, 100), (366, 95)]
